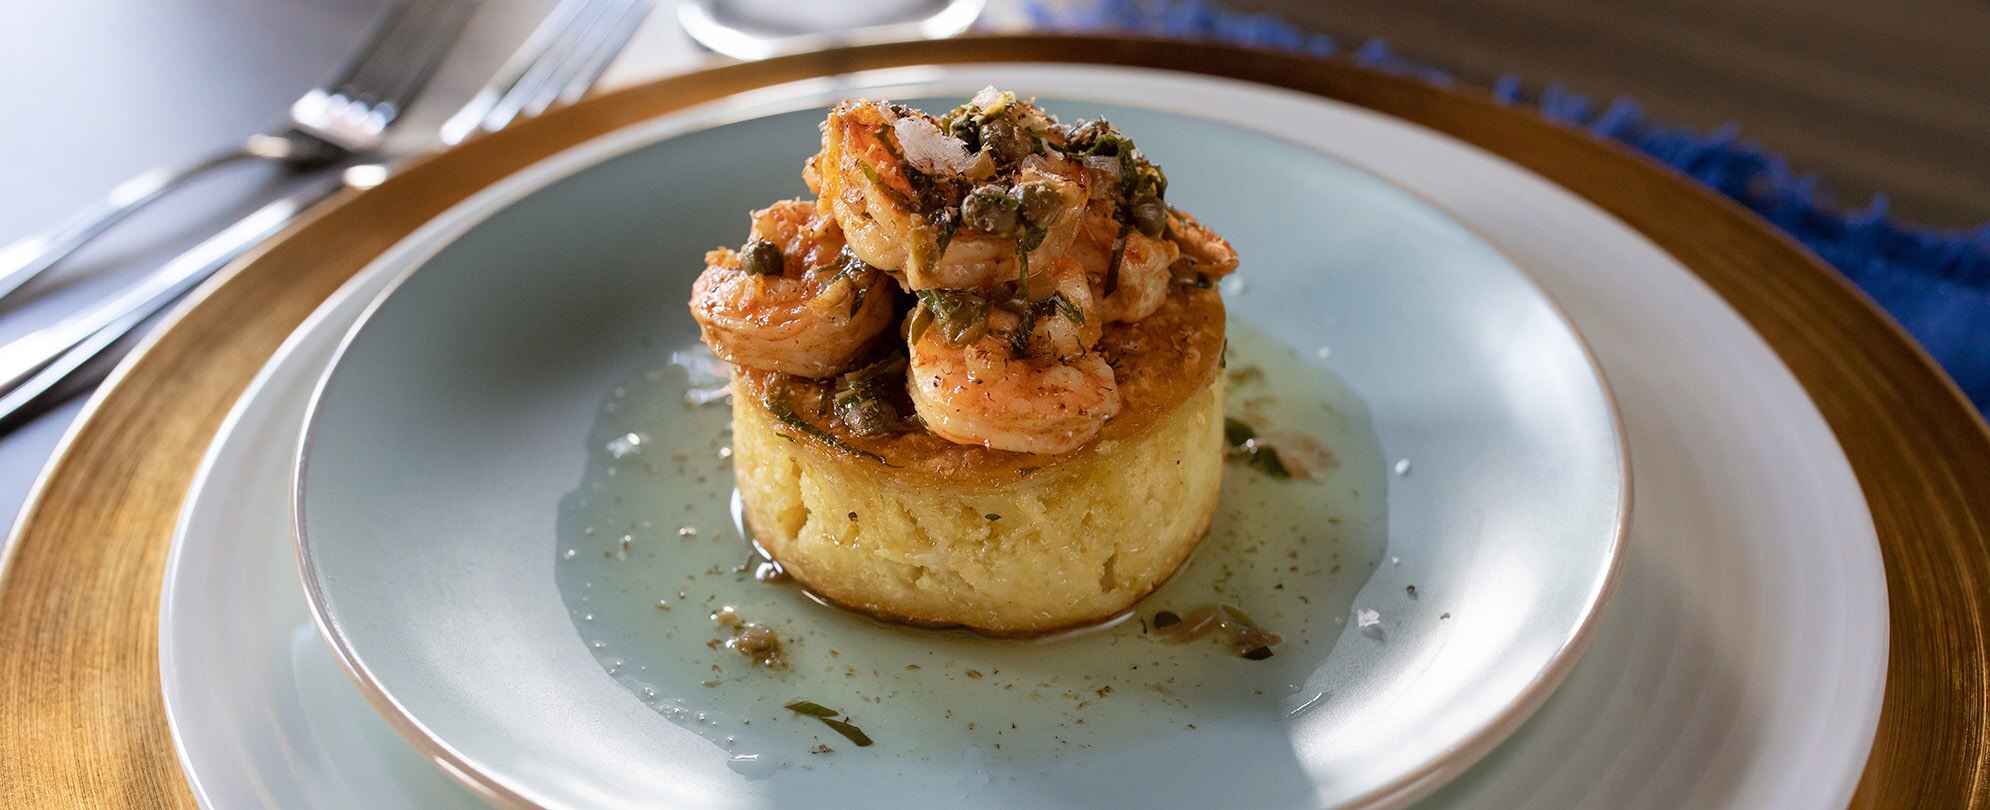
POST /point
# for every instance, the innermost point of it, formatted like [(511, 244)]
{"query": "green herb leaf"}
[(1070, 311), (1265, 460), (812, 709), (864, 396), (962, 317), (785, 411), (856, 735), (896, 197), (1032, 238), (1236, 432), (1019, 340), (1111, 282), (1022, 270), (945, 226)]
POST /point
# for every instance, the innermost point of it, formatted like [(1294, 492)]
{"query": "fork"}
[(564, 57), (347, 116)]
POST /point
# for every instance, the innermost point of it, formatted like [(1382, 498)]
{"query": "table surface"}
[(1875, 96)]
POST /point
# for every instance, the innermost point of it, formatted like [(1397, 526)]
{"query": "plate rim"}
[(79, 573), (552, 167)]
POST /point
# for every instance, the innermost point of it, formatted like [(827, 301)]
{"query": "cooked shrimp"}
[(792, 300), (1203, 253), (1066, 318), (1138, 284), (985, 393), (915, 200)]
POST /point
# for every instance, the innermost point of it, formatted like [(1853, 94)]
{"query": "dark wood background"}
[(1890, 96)]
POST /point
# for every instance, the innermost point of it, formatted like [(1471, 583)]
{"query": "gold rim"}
[(81, 720)]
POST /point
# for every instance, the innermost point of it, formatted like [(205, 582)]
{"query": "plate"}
[(1726, 545), (507, 599)]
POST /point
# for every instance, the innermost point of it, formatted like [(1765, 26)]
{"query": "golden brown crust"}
[(1160, 362)]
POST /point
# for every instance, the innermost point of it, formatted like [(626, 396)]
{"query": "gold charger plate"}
[(81, 718)]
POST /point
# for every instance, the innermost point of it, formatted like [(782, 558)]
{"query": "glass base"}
[(757, 29)]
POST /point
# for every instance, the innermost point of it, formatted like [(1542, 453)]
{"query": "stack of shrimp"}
[(998, 243)]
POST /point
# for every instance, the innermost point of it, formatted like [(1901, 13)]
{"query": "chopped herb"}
[(916, 325), (1019, 340), (812, 709), (865, 399), (1236, 432), (1118, 255), (992, 516), (896, 197), (856, 735), (944, 224), (1165, 618), (961, 316), (785, 411), (1032, 238), (1022, 269), (1258, 653), (1070, 311), (1265, 460)]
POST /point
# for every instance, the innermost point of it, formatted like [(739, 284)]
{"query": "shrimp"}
[(917, 201), (984, 393), (1203, 253), (793, 301), (1135, 284)]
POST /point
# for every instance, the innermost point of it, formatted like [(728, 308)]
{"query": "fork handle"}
[(37, 362), (28, 257)]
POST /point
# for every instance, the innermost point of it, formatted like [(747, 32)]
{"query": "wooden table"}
[(1878, 97)]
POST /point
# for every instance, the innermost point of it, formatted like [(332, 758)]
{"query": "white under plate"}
[(1692, 695)]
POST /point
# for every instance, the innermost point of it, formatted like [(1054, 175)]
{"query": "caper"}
[(1149, 216), (989, 209), (964, 129), (1007, 140), (761, 258), (1039, 202)]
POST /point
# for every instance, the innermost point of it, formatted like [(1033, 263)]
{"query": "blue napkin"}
[(1935, 284)]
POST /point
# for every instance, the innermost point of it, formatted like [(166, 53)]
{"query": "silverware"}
[(347, 116), (560, 61)]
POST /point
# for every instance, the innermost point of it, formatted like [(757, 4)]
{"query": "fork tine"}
[(376, 40), (381, 65), (604, 31), (512, 105), (475, 115), (611, 43), (408, 67)]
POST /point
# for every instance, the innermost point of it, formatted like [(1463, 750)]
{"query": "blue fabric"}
[(1936, 284)]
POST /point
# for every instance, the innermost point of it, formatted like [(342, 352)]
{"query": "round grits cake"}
[(915, 528)]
